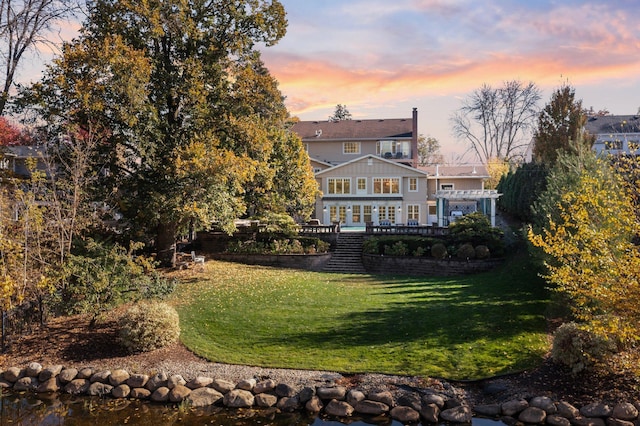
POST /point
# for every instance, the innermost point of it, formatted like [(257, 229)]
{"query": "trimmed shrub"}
[(439, 251), (419, 252), (476, 229), (482, 252), (397, 249), (577, 348), (466, 251), (147, 326)]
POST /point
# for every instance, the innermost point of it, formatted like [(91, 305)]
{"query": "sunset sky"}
[(381, 58)]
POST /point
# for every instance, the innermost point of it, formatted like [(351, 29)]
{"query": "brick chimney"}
[(414, 139)]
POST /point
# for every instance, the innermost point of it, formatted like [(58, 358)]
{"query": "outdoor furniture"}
[(197, 260)]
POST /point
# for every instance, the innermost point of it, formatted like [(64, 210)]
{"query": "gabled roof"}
[(607, 124), (24, 151), (456, 171), (374, 158), (354, 129)]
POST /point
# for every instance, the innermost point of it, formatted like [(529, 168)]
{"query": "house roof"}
[(372, 157), (603, 124), (439, 171), (354, 129), (24, 151)]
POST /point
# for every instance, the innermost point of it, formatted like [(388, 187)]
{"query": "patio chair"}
[(197, 260)]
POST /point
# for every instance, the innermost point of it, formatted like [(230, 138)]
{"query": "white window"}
[(413, 184), (351, 148), (386, 185), (413, 212), (393, 149), (361, 185), (339, 186)]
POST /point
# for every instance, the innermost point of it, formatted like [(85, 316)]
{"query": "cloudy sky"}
[(381, 58)]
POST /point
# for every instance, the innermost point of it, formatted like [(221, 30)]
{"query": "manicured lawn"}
[(454, 328)]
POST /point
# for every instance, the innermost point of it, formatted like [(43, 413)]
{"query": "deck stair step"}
[(347, 256)]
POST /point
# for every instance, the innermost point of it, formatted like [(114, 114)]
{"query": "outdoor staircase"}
[(347, 256)]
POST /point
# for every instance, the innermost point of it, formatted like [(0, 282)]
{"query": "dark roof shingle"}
[(355, 129)]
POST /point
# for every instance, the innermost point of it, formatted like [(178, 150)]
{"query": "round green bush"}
[(482, 252), (578, 348), (466, 251), (439, 251), (146, 326)]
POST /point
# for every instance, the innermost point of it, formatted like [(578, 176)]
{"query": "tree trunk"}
[(166, 244)]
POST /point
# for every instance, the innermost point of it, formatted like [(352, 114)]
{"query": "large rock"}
[(338, 408), (137, 380), (85, 373), (314, 405), (329, 393), (611, 421), (28, 383), (238, 398), (404, 414), (266, 400), (77, 386), (140, 393), (544, 403), (567, 410), (433, 398), (625, 411), (121, 391), (67, 375), (48, 386), (118, 377), (157, 381), (557, 420), (382, 396), (306, 394), (223, 386), (49, 372), (459, 414), (161, 394), (410, 400), (201, 382), (588, 421), (176, 380), (204, 397), (283, 389), (373, 408), (99, 389), (532, 415), (247, 384), (264, 386), (33, 369), (513, 407), (179, 393), (100, 376), (354, 396), (288, 404), (596, 409), (430, 412), (488, 410), (12, 374)]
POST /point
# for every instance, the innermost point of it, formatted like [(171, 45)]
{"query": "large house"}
[(615, 134), (368, 173)]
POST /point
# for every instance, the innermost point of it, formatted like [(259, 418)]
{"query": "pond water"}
[(58, 410)]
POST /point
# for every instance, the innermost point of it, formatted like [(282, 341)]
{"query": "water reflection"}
[(58, 410)]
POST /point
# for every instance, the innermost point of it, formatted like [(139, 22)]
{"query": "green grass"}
[(455, 328)]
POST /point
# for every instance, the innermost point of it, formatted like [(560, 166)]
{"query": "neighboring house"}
[(367, 172), (615, 134), (13, 160)]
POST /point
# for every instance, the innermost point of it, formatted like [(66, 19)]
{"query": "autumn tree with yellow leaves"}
[(588, 240)]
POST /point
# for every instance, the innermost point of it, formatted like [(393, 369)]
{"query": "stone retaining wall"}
[(410, 265), (308, 262), (406, 406)]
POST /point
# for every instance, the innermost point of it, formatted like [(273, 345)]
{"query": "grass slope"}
[(455, 328)]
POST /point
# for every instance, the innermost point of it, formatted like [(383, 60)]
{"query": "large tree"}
[(189, 118), (429, 151), (495, 122), (560, 127), (24, 24), (341, 113)]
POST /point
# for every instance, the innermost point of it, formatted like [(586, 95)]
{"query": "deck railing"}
[(406, 230)]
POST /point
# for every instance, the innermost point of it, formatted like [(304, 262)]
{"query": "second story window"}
[(413, 184), (351, 148), (386, 185), (339, 186)]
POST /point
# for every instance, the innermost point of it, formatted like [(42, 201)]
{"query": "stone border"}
[(406, 406), (411, 265)]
